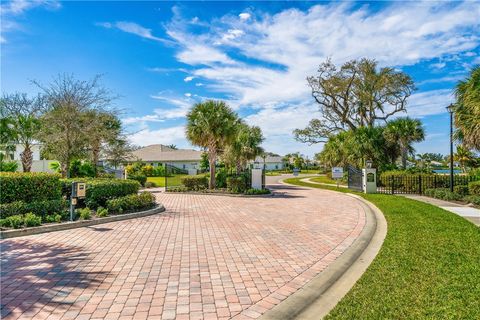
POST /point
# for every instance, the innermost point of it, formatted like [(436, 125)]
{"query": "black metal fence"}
[(355, 178), (417, 184)]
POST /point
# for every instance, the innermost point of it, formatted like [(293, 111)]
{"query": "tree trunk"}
[(27, 158), (95, 156), (64, 169), (211, 161), (404, 159)]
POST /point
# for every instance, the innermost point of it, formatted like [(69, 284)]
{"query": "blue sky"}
[(161, 57)]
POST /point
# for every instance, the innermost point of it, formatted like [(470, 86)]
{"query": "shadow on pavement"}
[(36, 274)]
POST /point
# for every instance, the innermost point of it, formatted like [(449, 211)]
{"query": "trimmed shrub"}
[(221, 178), (14, 222), (475, 199), (133, 202), (147, 170), (461, 190), (102, 212), (158, 171), (150, 184), (32, 220), (29, 186), (50, 218), (236, 184), (474, 188), (40, 208), (443, 194), (99, 191), (257, 191), (85, 213), (195, 183), (140, 177)]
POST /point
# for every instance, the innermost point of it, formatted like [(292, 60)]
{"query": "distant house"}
[(271, 162), (158, 154)]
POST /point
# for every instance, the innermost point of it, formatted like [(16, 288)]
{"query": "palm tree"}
[(211, 125), (244, 147), (467, 110), (172, 146), (464, 157), (405, 131)]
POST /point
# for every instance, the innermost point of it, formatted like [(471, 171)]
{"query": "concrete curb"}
[(319, 296), (78, 224)]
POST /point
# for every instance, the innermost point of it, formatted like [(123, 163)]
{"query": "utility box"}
[(369, 180), (79, 190), (257, 178)]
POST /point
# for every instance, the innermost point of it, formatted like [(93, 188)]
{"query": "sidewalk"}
[(469, 213)]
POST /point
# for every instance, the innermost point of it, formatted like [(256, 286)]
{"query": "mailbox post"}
[(369, 180), (78, 192)]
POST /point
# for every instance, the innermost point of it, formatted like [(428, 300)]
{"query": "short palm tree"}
[(211, 125), (244, 147), (405, 131), (26, 128), (464, 157)]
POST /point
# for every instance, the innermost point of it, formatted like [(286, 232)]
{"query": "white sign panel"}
[(337, 172)]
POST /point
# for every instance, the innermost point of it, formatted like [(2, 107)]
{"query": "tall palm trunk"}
[(95, 157), (27, 158), (212, 157), (64, 166)]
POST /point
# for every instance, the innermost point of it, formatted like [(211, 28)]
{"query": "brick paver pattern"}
[(206, 257)]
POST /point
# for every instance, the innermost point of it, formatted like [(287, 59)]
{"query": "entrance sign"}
[(296, 171), (337, 173)]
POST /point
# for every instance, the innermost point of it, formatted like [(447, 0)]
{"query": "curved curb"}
[(78, 224), (321, 294)]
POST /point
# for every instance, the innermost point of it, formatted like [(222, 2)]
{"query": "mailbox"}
[(79, 190)]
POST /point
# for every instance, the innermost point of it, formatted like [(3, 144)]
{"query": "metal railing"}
[(417, 184)]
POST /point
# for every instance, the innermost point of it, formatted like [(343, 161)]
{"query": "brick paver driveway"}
[(206, 257)]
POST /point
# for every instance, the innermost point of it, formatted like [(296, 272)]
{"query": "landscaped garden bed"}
[(34, 199), (464, 194), (428, 251)]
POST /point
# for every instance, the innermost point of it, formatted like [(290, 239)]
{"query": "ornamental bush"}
[(32, 220), (140, 177), (133, 202), (40, 208), (236, 184), (29, 186), (85, 213), (99, 191), (15, 221), (257, 191), (475, 199), (461, 190), (195, 183), (102, 212), (474, 188)]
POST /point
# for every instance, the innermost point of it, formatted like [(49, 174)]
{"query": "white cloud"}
[(188, 94), (11, 10), (188, 79), (429, 102), (171, 135), (244, 16), (133, 28), (296, 41)]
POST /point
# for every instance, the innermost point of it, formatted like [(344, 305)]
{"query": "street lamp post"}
[(450, 109)]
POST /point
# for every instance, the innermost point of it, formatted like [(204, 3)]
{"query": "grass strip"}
[(427, 268)]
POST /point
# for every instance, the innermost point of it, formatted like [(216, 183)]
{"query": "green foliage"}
[(15, 221), (474, 188), (53, 218), (245, 146), (8, 166), (204, 165), (150, 184), (133, 202), (140, 177), (147, 170), (32, 220), (257, 191), (85, 213), (475, 199), (101, 190), (40, 208), (221, 177), (158, 171), (102, 212), (81, 169), (31, 186), (443, 194), (236, 184), (195, 183), (461, 190)]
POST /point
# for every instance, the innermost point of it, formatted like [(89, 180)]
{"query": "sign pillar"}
[(369, 180), (257, 182)]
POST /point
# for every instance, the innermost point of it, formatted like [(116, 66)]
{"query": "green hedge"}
[(474, 188), (443, 194), (236, 184), (195, 183), (30, 186), (40, 208), (100, 191), (133, 202)]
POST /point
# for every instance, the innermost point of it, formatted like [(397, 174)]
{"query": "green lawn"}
[(175, 180), (427, 268), (325, 179)]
